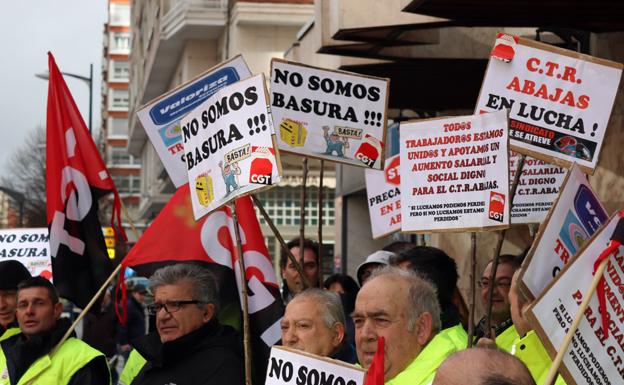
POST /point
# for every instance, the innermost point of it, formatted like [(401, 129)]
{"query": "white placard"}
[(576, 215), (455, 173), (293, 367), (30, 247), (161, 117), (332, 115), (384, 198), (559, 101), (592, 358), (538, 187), (229, 146)]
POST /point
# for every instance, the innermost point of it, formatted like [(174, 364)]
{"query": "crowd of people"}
[(406, 294)]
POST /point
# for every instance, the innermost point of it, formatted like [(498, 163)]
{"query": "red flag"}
[(174, 236), (75, 179), (375, 372)]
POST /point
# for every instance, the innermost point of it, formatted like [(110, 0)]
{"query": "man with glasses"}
[(501, 322), (189, 346)]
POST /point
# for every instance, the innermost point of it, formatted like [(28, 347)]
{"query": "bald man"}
[(482, 367)]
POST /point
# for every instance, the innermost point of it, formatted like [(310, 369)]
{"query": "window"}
[(117, 126), (119, 71), (127, 184), (119, 15), (119, 156), (119, 43), (283, 206), (119, 100)]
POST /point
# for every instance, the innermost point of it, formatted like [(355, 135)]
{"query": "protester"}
[(135, 325), (501, 314), (100, 332), (347, 288), (482, 367), (401, 307), (374, 261), (189, 346), (26, 358), (314, 322), (436, 266), (11, 274), (293, 283), (528, 347)]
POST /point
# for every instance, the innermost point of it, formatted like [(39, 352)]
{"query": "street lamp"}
[(19, 198), (88, 80)]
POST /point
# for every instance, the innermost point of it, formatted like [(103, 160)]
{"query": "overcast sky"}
[(72, 30)]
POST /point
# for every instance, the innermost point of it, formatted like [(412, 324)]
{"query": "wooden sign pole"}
[(320, 225), (473, 289)]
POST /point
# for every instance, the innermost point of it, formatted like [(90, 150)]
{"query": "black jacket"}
[(209, 355), (20, 353)]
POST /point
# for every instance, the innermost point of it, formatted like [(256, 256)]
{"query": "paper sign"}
[(332, 115), (384, 198), (592, 358), (576, 215), (30, 247), (161, 117), (294, 367), (458, 173), (229, 146), (559, 101), (537, 189)]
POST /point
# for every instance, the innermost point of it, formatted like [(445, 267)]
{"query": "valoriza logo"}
[(174, 106), (496, 211)]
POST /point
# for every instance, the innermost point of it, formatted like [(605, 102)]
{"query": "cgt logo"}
[(261, 171), (392, 171), (496, 211)]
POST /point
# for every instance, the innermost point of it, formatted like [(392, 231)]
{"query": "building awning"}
[(429, 84), (594, 16)]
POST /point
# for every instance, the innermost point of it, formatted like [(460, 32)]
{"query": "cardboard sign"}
[(592, 358), (229, 146), (559, 101), (30, 247), (293, 367), (332, 115), (576, 215), (384, 198), (537, 189), (161, 117), (458, 174)]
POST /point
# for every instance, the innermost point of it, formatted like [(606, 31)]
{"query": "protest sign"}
[(295, 367), (537, 189), (559, 100), (384, 198), (333, 115), (575, 216), (161, 117), (592, 357), (229, 145), (30, 247), (459, 174)]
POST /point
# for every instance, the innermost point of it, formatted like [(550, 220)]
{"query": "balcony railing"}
[(198, 12)]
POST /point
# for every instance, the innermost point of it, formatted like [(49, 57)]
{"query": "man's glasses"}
[(170, 306), (485, 283)]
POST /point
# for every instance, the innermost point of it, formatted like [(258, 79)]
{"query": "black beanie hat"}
[(11, 274)]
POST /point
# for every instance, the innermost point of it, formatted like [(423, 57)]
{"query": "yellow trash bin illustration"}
[(293, 133), (204, 189)]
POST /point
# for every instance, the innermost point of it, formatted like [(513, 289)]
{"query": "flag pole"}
[(499, 245), (277, 234), (473, 289), (304, 165), (97, 295), (320, 225), (241, 264)]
